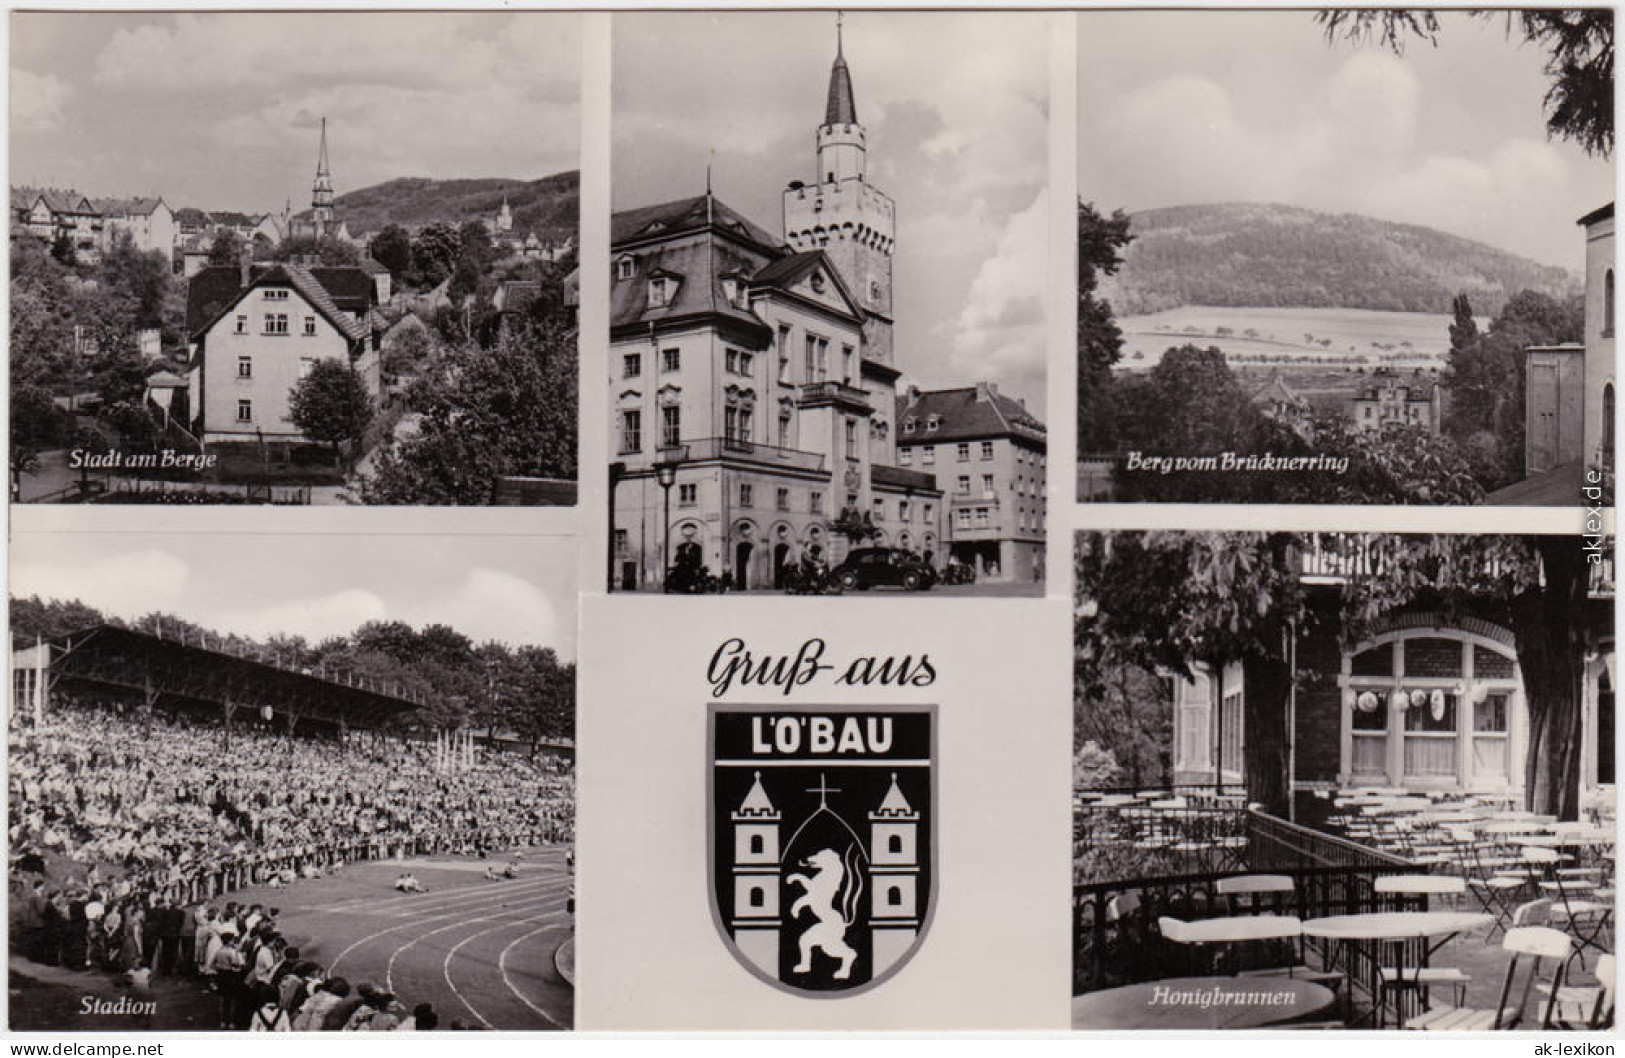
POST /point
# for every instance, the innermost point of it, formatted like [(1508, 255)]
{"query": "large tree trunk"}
[(1266, 753), (1551, 654)]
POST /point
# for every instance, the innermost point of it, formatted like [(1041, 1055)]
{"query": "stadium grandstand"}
[(303, 841)]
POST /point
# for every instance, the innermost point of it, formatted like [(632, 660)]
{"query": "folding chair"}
[(1585, 918), (1284, 889), (1497, 893), (1538, 943), (1424, 978), (1587, 1006)]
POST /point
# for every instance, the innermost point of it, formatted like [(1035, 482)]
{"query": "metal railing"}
[(1116, 939), (831, 390), (733, 448), (1274, 844)]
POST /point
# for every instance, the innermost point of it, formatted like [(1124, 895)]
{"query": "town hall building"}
[(753, 386)]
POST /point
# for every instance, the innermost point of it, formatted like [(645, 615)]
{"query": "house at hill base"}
[(254, 331)]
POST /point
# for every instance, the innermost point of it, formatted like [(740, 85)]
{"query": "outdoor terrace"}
[(1418, 913)]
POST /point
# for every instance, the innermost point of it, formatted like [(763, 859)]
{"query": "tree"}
[(36, 425), (392, 248), (435, 250), (141, 277), (331, 252), (1093, 767), (1579, 46), (1169, 601), (41, 335), (486, 413), (226, 248), (1463, 328), (62, 249), (465, 281), (407, 347), (35, 618), (331, 404), (1191, 604), (1485, 379), (475, 244), (1101, 242), (1127, 713), (132, 424)]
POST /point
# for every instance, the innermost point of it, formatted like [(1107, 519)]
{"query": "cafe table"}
[(1396, 928), (1201, 1003)]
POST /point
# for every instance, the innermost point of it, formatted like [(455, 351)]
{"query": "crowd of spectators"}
[(127, 831)]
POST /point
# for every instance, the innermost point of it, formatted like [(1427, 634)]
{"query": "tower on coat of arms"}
[(821, 826)]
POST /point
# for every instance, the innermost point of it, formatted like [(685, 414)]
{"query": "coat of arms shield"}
[(823, 840)]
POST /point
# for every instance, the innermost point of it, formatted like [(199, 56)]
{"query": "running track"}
[(481, 951)]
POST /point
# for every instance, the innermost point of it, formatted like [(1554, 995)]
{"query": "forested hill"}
[(1271, 256), (550, 207)]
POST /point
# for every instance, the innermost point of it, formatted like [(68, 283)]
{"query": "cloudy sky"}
[(956, 107), (221, 110), (1186, 107), (515, 589)]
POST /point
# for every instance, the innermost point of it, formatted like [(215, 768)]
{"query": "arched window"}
[(894, 844), (894, 897), (1608, 304), (758, 897), (756, 846), (1608, 423)]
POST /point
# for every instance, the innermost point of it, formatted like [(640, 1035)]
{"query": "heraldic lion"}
[(831, 896)]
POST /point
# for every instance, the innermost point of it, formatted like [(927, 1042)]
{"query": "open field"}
[(1291, 338)]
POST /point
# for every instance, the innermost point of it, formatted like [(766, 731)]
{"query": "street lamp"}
[(666, 474)]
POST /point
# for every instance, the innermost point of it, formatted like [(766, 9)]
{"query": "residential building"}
[(755, 375), (989, 452), (50, 214), (255, 331), (1279, 401), (1391, 401), (149, 222)]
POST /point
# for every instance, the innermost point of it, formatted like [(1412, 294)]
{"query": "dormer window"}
[(660, 290), (626, 268), (932, 423), (730, 289), (908, 425)]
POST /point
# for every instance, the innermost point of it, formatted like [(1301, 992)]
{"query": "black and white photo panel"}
[(826, 367), (1343, 780), (297, 792), (1333, 257), (294, 258)]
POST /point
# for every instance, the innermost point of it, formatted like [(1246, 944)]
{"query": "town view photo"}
[(826, 360), (294, 258), (1346, 257)]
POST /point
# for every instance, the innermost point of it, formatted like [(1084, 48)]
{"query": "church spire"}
[(840, 108), (321, 192)]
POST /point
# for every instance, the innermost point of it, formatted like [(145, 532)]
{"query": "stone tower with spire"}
[(894, 857), (844, 215), (321, 192), (755, 919)]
